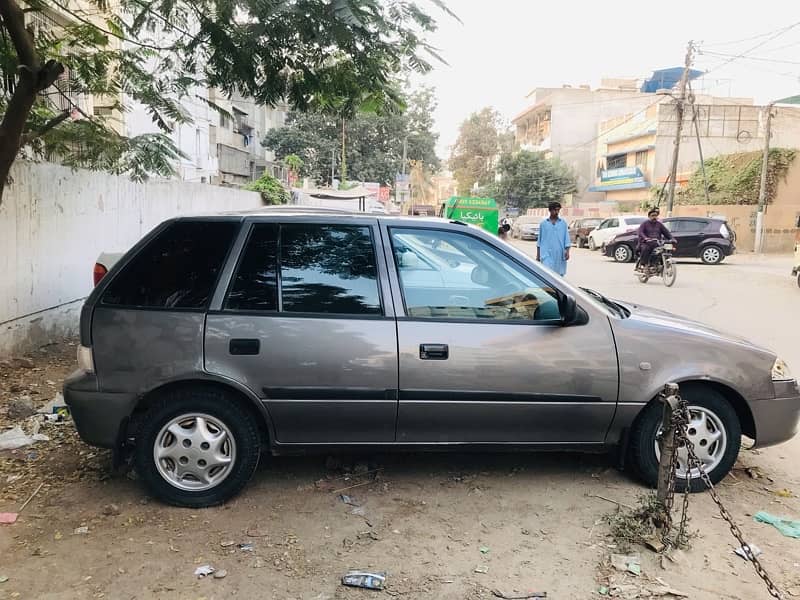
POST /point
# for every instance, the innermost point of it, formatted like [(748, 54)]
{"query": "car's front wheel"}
[(713, 429), (592, 245), (197, 448)]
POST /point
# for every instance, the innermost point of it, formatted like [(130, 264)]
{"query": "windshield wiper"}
[(618, 308)]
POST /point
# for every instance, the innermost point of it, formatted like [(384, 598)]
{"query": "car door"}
[(611, 229), (691, 236), (483, 356), (305, 325)]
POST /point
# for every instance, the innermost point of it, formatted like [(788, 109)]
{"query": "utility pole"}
[(679, 107), (333, 163), (405, 153), (762, 190)]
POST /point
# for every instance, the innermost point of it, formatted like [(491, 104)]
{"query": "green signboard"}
[(475, 211)]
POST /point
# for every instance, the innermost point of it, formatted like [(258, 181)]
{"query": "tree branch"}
[(55, 121), (14, 22)]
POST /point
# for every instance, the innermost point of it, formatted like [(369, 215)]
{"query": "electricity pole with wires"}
[(679, 108), (762, 191)]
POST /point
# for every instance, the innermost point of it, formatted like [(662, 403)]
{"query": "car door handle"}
[(434, 351), (244, 346)]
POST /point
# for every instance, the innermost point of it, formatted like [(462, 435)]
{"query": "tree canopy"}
[(482, 138), (529, 180), (340, 56), (374, 141)]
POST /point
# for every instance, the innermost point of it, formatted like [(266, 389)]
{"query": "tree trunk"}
[(13, 124), (33, 78), (344, 159)]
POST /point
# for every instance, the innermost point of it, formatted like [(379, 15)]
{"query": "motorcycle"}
[(661, 264)]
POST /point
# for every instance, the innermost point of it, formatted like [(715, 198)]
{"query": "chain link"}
[(679, 423)]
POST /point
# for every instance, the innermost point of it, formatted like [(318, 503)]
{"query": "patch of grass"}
[(632, 527)]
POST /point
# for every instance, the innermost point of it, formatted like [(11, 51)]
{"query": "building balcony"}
[(539, 145), (625, 178)]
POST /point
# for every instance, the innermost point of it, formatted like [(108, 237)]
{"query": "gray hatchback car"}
[(293, 330)]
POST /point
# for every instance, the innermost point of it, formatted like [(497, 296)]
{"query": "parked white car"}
[(613, 226)]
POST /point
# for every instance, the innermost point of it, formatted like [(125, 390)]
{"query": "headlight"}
[(780, 371), (85, 359)]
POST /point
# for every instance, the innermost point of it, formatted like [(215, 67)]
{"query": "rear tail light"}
[(99, 272), (85, 359)]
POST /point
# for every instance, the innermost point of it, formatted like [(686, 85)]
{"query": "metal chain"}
[(680, 420)]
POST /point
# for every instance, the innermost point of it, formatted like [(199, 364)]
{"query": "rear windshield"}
[(177, 269)]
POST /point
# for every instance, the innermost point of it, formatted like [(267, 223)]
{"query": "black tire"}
[(798, 280), (592, 245), (623, 253), (579, 241), (712, 254), (642, 460), (219, 405)]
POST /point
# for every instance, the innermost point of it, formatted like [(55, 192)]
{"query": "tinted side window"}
[(466, 278), (694, 226), (329, 269), (613, 223), (255, 286), (177, 269), (674, 226)]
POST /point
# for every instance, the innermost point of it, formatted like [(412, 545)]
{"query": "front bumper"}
[(99, 416), (777, 419)]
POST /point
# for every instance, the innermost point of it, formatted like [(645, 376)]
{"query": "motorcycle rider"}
[(650, 233)]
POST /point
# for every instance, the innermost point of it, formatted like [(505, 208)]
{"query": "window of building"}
[(102, 111), (618, 161), (328, 269), (641, 158), (177, 269), (224, 121)]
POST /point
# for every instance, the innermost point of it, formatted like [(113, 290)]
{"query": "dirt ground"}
[(443, 526)]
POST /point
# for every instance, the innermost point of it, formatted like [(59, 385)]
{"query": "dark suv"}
[(708, 238), (297, 330)]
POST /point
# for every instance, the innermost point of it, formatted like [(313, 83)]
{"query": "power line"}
[(757, 46), (618, 125), (760, 69), (756, 58), (747, 39)]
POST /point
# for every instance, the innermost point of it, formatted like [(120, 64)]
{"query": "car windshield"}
[(591, 222), (635, 220)]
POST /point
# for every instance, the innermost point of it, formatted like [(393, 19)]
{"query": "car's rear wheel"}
[(579, 241), (712, 255), (798, 280), (592, 245), (713, 429), (197, 448), (623, 253)]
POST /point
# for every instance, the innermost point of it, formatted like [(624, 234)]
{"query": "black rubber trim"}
[(461, 396), (328, 393)]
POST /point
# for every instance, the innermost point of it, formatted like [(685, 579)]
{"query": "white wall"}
[(54, 222)]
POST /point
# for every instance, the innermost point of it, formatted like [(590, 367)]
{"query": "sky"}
[(506, 48)]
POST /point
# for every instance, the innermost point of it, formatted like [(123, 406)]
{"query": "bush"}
[(271, 190), (736, 178)]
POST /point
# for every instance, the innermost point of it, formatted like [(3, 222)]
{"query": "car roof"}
[(691, 219), (289, 211)]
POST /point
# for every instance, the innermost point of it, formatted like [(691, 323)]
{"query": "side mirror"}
[(568, 309)]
